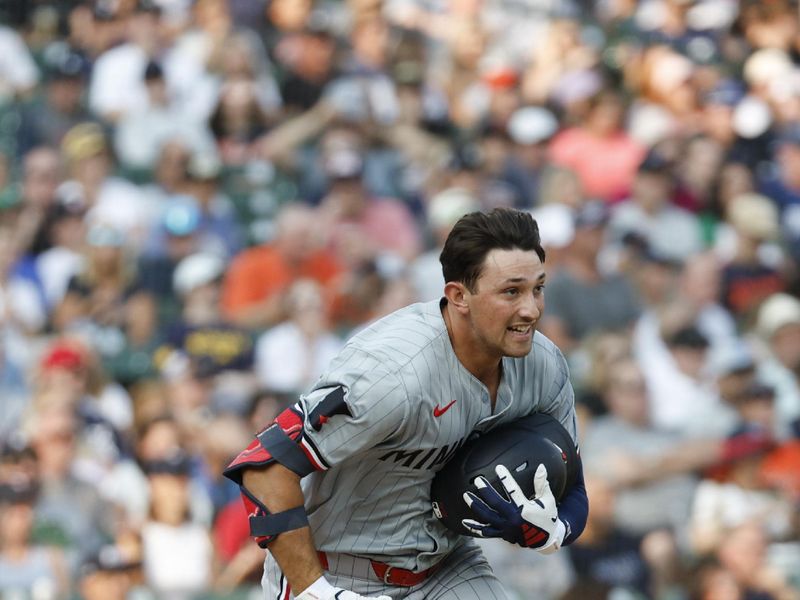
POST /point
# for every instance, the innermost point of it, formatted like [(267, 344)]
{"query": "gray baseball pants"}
[(464, 575)]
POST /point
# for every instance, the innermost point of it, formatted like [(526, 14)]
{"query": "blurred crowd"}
[(200, 200)]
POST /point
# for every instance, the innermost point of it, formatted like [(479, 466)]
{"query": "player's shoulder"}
[(403, 334)]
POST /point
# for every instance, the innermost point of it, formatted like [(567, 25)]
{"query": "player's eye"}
[(539, 289), (511, 291)]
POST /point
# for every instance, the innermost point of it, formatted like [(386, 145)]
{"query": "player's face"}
[(507, 302)]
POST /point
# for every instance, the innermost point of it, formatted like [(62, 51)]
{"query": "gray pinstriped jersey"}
[(411, 405)]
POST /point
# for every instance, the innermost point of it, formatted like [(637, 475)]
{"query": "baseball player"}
[(338, 487)]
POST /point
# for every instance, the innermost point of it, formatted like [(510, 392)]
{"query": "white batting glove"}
[(530, 523), (321, 589)]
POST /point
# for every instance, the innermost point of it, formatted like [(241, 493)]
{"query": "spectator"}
[(625, 446), (110, 575), (734, 495), (111, 200), (362, 227), (65, 232), (753, 270), (599, 150), (143, 130), (669, 231), (614, 304), (292, 355), (26, 565), (69, 510), (117, 85), (201, 340), (778, 326), (18, 71), (254, 288), (176, 549), (104, 296), (683, 400), (46, 120), (530, 128), (782, 186), (627, 563)]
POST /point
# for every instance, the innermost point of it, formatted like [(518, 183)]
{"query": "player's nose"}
[(530, 309)]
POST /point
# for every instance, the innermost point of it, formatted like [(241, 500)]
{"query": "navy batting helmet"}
[(521, 447)]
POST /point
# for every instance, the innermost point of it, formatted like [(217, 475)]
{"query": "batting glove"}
[(321, 589), (530, 523)]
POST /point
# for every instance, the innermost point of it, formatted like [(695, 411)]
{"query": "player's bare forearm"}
[(278, 489)]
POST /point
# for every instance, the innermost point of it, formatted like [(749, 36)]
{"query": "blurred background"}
[(200, 200)]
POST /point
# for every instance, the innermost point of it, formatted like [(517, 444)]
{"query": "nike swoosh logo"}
[(438, 412)]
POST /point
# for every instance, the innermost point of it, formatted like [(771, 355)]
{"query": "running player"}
[(339, 486)]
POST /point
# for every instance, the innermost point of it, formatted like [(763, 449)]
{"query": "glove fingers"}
[(511, 485), (481, 510), (541, 486), (481, 529), (492, 498)]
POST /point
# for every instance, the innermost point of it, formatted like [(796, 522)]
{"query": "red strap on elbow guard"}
[(254, 508)]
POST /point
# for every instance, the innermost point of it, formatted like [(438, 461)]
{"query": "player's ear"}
[(455, 292)]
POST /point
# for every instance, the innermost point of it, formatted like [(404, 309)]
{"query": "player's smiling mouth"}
[(520, 329)]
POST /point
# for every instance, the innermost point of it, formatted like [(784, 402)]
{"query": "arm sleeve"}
[(574, 508)]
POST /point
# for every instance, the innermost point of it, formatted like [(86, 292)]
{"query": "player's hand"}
[(529, 523), (321, 589)]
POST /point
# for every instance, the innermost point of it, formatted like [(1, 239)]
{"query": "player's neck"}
[(485, 367)]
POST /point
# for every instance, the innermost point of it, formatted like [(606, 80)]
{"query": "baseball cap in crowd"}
[(103, 235), (204, 166), (83, 141), (687, 337), (576, 86), (182, 216), (177, 463), (654, 163), (197, 270), (594, 213), (449, 205), (531, 125), (63, 62), (148, 6), (498, 71), (64, 354), (18, 491), (754, 215), (109, 559), (776, 312), (727, 92), (766, 66)]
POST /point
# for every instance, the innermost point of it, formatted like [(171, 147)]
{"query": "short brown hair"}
[(478, 233)]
